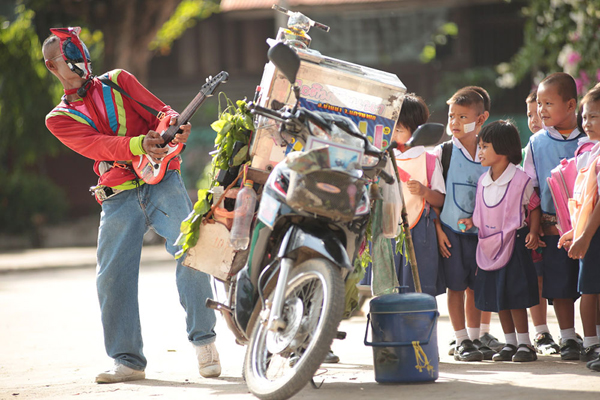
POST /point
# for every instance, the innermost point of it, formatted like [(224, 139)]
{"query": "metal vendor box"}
[(371, 98)]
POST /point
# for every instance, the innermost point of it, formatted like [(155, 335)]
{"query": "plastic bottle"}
[(245, 204)]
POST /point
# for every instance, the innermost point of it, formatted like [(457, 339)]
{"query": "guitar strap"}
[(107, 81)]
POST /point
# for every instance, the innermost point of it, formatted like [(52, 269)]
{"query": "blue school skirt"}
[(459, 270), (560, 273), (513, 287), (428, 258), (589, 268)]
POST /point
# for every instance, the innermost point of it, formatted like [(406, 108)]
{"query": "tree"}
[(27, 199), (560, 35)]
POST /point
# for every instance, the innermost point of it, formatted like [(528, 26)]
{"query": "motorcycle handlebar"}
[(386, 177), (267, 112)]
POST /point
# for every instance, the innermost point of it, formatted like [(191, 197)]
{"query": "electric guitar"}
[(152, 172)]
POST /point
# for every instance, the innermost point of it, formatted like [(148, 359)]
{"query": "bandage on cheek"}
[(469, 127)]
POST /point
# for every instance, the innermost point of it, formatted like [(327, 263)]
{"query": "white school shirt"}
[(438, 151), (495, 189), (528, 164), (437, 179)]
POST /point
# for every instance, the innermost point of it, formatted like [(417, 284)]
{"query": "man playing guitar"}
[(100, 123)]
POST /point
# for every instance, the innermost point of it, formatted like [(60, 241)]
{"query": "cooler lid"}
[(402, 302), (351, 70)]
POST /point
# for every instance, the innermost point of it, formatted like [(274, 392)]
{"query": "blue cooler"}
[(404, 334)]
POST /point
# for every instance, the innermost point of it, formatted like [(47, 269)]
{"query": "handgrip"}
[(386, 177)]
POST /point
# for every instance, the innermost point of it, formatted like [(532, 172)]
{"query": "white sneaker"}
[(120, 373), (208, 360)]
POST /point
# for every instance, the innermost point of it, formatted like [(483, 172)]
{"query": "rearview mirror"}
[(428, 134), (286, 60)]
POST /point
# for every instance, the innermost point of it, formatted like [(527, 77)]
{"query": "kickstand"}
[(314, 385)]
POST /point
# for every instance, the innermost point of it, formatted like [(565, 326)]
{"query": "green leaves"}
[(190, 227), (559, 36), (184, 17), (234, 125)]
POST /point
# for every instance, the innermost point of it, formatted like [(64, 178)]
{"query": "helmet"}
[(74, 51)]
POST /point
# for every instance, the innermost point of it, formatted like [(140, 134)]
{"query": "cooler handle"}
[(397, 344)]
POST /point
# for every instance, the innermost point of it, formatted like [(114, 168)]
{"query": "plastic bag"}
[(384, 279), (392, 205)]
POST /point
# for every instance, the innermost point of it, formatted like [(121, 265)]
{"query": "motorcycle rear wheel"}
[(279, 364)]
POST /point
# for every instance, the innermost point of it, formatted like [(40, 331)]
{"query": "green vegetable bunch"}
[(234, 125), (190, 227)]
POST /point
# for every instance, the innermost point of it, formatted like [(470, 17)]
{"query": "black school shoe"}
[(506, 354), (594, 365), (524, 356), (570, 350), (452, 347), (487, 352), (490, 341), (589, 353), (545, 344), (331, 358), (467, 351)]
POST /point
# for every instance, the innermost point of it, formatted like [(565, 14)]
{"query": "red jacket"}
[(108, 126)]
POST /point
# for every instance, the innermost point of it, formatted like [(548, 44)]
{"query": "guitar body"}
[(152, 172), (149, 171)]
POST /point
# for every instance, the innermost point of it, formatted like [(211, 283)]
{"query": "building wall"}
[(388, 39)]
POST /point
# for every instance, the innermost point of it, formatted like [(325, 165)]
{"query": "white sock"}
[(461, 336), (511, 338), (590, 341), (473, 333), (566, 334), (541, 329), (484, 328), (598, 330), (523, 338)]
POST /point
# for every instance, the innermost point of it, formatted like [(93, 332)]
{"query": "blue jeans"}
[(125, 219)]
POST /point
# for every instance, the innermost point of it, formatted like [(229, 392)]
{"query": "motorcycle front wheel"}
[(279, 364)]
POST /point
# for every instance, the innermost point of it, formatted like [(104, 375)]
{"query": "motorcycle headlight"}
[(369, 161)]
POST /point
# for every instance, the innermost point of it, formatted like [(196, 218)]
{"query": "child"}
[(457, 245), (557, 106), (506, 280), (485, 337), (583, 241), (543, 341), (425, 188)]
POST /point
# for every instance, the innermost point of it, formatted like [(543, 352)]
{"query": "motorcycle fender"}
[(320, 241), (245, 298)]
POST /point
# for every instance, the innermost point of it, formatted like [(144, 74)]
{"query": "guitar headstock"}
[(212, 82)]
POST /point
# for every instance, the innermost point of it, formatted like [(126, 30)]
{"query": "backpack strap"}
[(587, 146), (430, 160), (107, 81), (446, 155)]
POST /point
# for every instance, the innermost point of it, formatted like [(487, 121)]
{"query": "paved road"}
[(51, 348)]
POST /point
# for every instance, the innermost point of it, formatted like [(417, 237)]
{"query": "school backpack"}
[(446, 155), (430, 160), (561, 183), (585, 197)]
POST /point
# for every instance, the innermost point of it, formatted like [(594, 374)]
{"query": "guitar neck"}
[(184, 117), (206, 91)]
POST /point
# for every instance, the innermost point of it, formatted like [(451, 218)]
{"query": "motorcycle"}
[(287, 302)]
